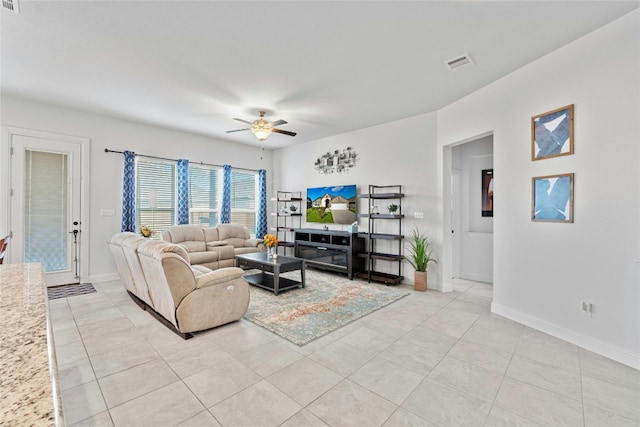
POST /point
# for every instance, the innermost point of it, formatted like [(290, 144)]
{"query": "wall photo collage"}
[(552, 195)]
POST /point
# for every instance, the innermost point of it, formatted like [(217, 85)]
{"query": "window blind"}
[(243, 199), (160, 177), (204, 196)]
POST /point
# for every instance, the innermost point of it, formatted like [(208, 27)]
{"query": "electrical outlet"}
[(418, 215), (587, 309)]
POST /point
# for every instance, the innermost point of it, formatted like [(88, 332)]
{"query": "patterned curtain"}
[(225, 209), (261, 225), (183, 191), (129, 192)]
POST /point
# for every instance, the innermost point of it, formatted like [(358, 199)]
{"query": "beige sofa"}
[(185, 298), (213, 247)]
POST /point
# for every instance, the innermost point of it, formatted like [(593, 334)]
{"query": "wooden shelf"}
[(389, 279), (381, 236), (381, 196), (381, 256), (286, 244), (381, 216)]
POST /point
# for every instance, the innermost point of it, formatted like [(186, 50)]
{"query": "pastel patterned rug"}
[(328, 302)]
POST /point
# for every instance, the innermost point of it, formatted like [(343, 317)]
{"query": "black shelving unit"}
[(286, 219), (391, 194)]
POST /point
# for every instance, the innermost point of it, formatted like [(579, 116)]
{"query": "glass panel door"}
[(45, 206), (46, 210)]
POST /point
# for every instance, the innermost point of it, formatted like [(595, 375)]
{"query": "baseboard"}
[(103, 278), (476, 277), (607, 350)]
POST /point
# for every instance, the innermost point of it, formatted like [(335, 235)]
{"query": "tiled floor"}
[(430, 359)]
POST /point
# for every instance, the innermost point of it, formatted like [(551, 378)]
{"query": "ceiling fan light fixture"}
[(261, 128)]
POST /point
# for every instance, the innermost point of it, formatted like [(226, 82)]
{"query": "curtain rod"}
[(106, 150)]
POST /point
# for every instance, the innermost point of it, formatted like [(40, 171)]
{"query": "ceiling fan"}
[(262, 128)]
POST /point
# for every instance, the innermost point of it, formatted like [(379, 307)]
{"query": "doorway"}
[(467, 239), (48, 205)]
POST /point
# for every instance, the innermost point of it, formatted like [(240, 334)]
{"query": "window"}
[(204, 199), (244, 199), (155, 179)]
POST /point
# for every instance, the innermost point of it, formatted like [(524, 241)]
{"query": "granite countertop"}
[(28, 370)]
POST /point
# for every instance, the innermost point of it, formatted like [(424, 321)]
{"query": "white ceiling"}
[(327, 67)]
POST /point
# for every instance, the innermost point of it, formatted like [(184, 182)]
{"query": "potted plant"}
[(419, 258), (293, 208), (392, 208)]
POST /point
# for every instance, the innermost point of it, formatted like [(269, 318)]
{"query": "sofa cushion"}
[(211, 235), (203, 257), (191, 237), (218, 276), (199, 270), (225, 252), (229, 231), (236, 242)]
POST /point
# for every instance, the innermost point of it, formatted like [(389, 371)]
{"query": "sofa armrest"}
[(253, 243), (218, 276)]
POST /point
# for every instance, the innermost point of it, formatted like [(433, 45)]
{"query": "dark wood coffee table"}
[(271, 268)]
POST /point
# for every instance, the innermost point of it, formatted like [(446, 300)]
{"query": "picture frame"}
[(552, 133), (487, 192), (552, 198)]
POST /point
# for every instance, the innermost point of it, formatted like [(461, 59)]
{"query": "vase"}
[(420, 281), (271, 251)]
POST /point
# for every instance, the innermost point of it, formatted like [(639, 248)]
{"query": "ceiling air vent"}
[(460, 62), (11, 6)]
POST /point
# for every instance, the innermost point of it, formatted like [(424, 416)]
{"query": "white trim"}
[(98, 278), (612, 352), (476, 277)]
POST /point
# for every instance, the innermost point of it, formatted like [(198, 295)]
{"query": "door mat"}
[(66, 291), (328, 302)]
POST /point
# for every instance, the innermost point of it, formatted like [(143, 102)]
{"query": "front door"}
[(45, 206)]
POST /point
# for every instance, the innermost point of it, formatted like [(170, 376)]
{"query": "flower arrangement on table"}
[(270, 241), (145, 231)]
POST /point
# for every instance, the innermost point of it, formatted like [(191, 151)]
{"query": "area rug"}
[(65, 291), (328, 302)]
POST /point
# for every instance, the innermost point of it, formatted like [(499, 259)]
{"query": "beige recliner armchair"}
[(191, 299), (185, 298)]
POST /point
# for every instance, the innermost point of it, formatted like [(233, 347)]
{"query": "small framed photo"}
[(552, 198), (552, 133)]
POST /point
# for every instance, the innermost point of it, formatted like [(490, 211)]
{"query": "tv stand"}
[(330, 250)]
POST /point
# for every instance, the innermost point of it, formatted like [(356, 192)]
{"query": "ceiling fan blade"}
[(241, 120), (236, 130), (285, 132), (279, 122)]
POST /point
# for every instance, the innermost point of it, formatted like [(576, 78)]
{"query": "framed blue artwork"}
[(552, 133), (552, 198)]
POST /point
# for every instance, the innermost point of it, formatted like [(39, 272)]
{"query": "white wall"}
[(397, 153), (475, 232), (106, 168), (542, 271)]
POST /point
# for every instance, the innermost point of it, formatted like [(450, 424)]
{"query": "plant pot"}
[(420, 281)]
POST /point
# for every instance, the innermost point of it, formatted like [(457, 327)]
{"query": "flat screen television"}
[(332, 205)]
